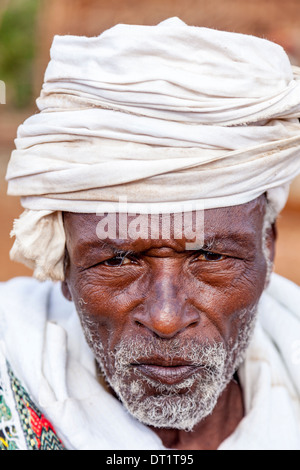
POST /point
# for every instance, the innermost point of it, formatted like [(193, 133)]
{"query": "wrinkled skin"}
[(166, 291)]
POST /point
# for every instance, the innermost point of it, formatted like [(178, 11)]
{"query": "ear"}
[(64, 285), (271, 237), (66, 291), (270, 243)]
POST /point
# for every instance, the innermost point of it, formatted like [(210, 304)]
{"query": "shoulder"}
[(280, 319), (285, 292), (21, 298), (28, 294), (20, 288), (26, 300), (280, 305), (26, 305)]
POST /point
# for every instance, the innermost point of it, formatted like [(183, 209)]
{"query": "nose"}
[(166, 312)]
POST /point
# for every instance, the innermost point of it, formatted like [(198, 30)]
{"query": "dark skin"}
[(161, 289)]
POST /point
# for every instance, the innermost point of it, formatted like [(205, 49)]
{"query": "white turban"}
[(162, 115)]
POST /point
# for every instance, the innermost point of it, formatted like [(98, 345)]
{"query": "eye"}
[(209, 256), (117, 261)]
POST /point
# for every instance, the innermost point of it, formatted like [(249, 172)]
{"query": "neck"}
[(214, 429)]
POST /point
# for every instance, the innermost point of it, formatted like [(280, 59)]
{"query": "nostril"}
[(166, 321)]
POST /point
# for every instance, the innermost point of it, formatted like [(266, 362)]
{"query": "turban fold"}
[(163, 115)]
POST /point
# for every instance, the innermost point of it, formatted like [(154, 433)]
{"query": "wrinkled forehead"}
[(237, 224)]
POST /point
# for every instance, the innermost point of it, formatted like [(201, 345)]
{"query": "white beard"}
[(179, 406)]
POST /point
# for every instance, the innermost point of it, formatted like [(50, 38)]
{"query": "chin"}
[(181, 406)]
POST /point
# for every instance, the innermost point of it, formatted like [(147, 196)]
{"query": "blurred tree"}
[(17, 49)]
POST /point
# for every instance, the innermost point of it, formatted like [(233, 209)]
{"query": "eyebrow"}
[(234, 239), (106, 247), (212, 242)]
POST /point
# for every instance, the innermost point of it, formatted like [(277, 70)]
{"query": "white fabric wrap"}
[(161, 115), (46, 349)]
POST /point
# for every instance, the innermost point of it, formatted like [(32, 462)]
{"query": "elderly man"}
[(151, 182)]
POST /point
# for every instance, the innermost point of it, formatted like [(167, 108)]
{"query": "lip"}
[(169, 375)]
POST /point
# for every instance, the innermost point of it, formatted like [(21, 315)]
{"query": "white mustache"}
[(194, 352), (184, 404)]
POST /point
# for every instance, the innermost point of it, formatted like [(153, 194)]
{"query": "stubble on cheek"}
[(181, 405), (158, 404)]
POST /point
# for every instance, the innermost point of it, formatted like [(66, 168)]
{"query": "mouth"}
[(166, 373)]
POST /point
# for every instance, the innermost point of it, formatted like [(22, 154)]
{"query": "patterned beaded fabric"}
[(22, 425), (7, 430)]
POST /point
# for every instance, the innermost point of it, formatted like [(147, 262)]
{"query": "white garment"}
[(44, 344)]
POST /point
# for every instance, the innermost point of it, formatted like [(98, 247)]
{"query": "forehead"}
[(241, 224)]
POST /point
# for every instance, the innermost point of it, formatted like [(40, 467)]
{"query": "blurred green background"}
[(18, 49)]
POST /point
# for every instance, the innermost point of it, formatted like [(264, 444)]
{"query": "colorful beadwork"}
[(7, 430), (38, 431)]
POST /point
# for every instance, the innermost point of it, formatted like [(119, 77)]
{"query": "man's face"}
[(168, 326)]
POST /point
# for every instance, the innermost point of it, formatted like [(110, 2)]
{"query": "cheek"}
[(223, 294), (242, 279), (228, 294), (102, 305)]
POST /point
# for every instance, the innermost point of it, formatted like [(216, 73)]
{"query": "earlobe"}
[(66, 291)]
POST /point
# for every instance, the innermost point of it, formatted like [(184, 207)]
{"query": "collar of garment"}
[(43, 341)]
